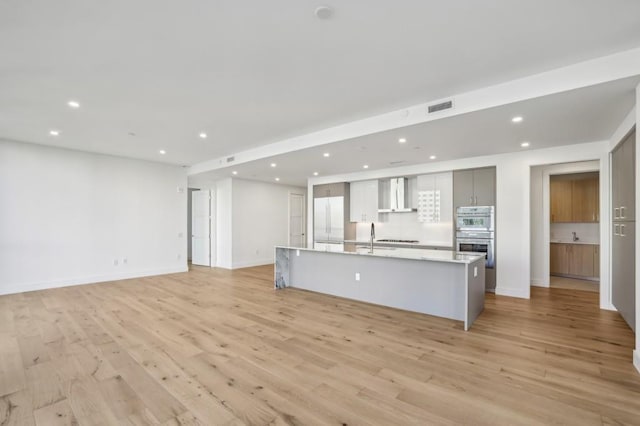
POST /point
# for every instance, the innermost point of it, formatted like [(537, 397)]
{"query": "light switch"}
[(357, 276), (475, 271), (297, 252)]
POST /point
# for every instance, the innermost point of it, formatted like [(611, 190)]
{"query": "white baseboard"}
[(250, 263), (92, 279), (636, 359), (522, 293), (539, 282)]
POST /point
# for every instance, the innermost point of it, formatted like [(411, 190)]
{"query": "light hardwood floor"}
[(217, 347)]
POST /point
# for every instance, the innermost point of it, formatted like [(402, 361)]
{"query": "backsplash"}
[(587, 232), (405, 226)]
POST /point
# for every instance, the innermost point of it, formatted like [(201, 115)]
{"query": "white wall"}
[(67, 215), (513, 212), (224, 223), (260, 221), (636, 353)]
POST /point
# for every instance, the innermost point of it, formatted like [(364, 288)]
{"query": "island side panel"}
[(475, 291), (281, 270), (430, 287)]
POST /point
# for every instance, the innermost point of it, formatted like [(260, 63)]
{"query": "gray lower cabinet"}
[(623, 288), (474, 187)]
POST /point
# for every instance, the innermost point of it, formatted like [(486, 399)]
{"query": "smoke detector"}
[(323, 12)]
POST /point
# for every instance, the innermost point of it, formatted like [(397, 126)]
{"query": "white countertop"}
[(575, 242), (405, 253)]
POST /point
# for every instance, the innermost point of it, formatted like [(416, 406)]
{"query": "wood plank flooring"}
[(217, 347)]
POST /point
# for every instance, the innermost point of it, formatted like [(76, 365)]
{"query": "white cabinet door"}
[(364, 201)]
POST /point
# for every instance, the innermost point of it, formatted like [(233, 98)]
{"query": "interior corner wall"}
[(68, 217), (260, 220)]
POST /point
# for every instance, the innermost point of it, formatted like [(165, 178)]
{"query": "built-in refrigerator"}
[(623, 288), (331, 224)]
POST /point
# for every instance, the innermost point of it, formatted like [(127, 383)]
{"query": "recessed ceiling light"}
[(366, 166), (432, 157), (402, 140), (326, 154), (74, 104), (273, 164), (524, 144), (323, 12), (54, 132), (277, 179), (516, 119), (234, 172), (163, 152), (315, 173), (203, 135)]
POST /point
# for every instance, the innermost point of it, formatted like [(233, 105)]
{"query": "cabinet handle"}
[(616, 229), (616, 213), (471, 200), (593, 217), (622, 212), (622, 234)]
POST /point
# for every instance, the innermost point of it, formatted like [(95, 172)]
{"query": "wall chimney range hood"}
[(398, 197)]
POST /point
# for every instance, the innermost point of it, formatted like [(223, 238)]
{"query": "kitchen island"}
[(435, 282)]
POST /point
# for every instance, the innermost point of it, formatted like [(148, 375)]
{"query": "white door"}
[(296, 220), (200, 228)]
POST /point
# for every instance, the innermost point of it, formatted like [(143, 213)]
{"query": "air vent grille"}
[(441, 106)]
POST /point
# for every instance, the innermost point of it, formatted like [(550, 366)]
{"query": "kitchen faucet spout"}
[(373, 236)]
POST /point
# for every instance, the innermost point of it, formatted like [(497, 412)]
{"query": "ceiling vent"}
[(440, 107), (230, 159)]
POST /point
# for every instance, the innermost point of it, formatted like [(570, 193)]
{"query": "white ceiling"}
[(585, 115), (254, 72)]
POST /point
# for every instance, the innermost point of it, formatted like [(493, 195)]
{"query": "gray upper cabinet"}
[(331, 190), (623, 174), (475, 187)]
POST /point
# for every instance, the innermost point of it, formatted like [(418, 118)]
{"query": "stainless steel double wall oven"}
[(475, 232)]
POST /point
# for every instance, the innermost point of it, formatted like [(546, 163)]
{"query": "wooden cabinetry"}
[(577, 260), (364, 201), (561, 207), (575, 198), (475, 187)]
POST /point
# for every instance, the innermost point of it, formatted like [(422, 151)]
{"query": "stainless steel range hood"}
[(398, 197)]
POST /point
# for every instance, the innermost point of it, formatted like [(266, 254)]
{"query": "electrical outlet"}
[(125, 260), (297, 252), (475, 271), (179, 257), (180, 190), (115, 262), (357, 276), (179, 234), (257, 251)]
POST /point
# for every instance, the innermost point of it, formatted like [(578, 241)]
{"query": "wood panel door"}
[(581, 260), (559, 261), (561, 204), (585, 200)]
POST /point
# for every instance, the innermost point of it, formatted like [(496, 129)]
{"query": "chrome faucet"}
[(373, 235), (575, 237)]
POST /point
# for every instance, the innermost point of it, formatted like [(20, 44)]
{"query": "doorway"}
[(568, 227), (297, 222), (574, 236)]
